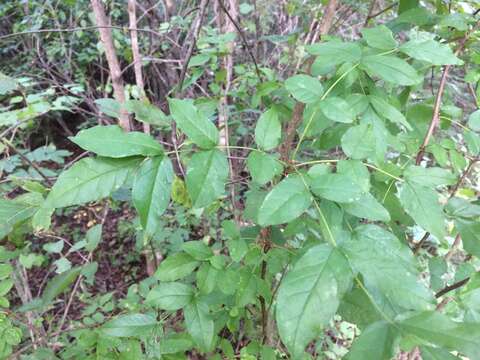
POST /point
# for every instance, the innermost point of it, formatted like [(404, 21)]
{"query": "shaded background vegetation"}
[(231, 56)]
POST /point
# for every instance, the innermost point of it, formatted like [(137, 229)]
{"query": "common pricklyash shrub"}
[(327, 231)]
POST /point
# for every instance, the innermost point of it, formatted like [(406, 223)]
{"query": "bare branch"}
[(137, 59), (196, 32), (438, 101), (242, 36), (297, 115)]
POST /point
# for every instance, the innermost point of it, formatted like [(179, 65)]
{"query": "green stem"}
[(313, 162), (340, 78), (383, 172), (372, 300), (319, 210), (250, 149), (334, 244), (387, 52), (328, 161), (455, 122)]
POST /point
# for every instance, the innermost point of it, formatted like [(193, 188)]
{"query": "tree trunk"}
[(229, 60), (297, 116), (223, 113), (112, 60), (137, 59), (171, 8)]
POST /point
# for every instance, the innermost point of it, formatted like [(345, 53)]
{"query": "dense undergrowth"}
[(255, 180)]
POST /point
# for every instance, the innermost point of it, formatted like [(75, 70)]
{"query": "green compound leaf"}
[(359, 142), (151, 191), (375, 342), (268, 130), (336, 52), (207, 174), (112, 141), (367, 207), (175, 267), (200, 325), (304, 88), (136, 325), (170, 296), (388, 269), (263, 167), (436, 328), (336, 109), (194, 123), (421, 203), (430, 51), (309, 296), (391, 69), (379, 37), (13, 212), (90, 179), (384, 109), (430, 177), (336, 187), (285, 202)]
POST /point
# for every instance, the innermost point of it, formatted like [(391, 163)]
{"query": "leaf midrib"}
[(310, 294), (125, 168), (126, 141)]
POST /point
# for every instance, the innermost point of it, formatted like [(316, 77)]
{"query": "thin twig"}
[(453, 191), (183, 72), (438, 101), (223, 113), (455, 244), (70, 301), (435, 116), (27, 160), (72, 162), (380, 12), (297, 115), (433, 125), (20, 281), (419, 245), (266, 246), (196, 32), (15, 125), (443, 303), (244, 40), (85, 28), (8, 130), (175, 149), (464, 175), (370, 11), (77, 283), (275, 290), (473, 93), (452, 287), (137, 60)]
